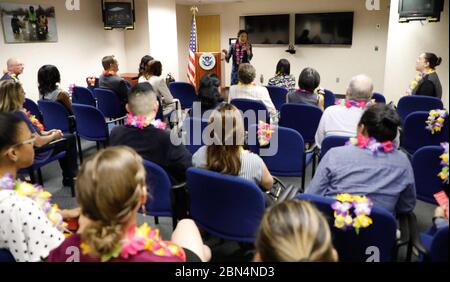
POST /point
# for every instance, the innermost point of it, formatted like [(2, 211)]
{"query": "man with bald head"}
[(14, 69), (342, 120)]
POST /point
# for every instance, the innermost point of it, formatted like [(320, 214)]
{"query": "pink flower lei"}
[(141, 122), (372, 144), (352, 103)]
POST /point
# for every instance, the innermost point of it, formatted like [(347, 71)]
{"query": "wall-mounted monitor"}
[(410, 10), (118, 15), (267, 29), (324, 28)]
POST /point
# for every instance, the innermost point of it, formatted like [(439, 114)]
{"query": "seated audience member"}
[(144, 135), (247, 90), (294, 231), (111, 188), (143, 64), (283, 77), (308, 82), (110, 80), (26, 229), (227, 154), (342, 119), (209, 97), (49, 79), (152, 75), (371, 165), (429, 83), (14, 69), (12, 97)]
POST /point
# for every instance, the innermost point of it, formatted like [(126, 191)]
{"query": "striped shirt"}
[(251, 164)]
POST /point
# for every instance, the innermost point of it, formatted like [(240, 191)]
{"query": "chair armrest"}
[(49, 146), (179, 186), (116, 120)]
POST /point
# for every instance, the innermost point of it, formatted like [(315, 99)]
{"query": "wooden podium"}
[(204, 65)]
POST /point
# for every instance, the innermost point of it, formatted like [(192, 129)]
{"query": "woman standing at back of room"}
[(241, 52), (427, 83)]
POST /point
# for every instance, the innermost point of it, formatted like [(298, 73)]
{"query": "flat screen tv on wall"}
[(410, 10), (118, 15), (324, 28), (267, 29)]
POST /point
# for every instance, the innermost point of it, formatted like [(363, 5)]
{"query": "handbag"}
[(280, 192)]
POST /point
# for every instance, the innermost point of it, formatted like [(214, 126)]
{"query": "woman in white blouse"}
[(152, 75), (25, 230)]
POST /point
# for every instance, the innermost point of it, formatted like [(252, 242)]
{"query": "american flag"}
[(192, 50)]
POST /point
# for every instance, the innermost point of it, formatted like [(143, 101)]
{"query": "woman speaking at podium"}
[(241, 51)]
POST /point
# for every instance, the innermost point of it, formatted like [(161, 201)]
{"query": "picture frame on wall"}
[(28, 23)]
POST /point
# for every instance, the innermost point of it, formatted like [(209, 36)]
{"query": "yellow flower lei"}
[(417, 80)]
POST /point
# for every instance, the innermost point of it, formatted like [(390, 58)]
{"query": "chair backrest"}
[(248, 106), (278, 96), (228, 207), (427, 165), (303, 118), (159, 114), (128, 84), (331, 142), (6, 256), (193, 127), (439, 246), (410, 104), (159, 188), (83, 95), (108, 103), (33, 108), (378, 239), (55, 115), (91, 123), (329, 99), (416, 136), (290, 154), (379, 98), (185, 92)]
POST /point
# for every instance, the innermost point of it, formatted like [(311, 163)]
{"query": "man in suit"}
[(110, 80), (15, 68)]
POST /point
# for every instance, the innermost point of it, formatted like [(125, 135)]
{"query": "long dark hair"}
[(143, 64), (48, 77), (208, 92), (283, 67)]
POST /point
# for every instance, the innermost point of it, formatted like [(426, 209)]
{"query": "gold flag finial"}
[(194, 10)]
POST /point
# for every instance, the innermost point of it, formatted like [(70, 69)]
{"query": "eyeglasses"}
[(28, 141)]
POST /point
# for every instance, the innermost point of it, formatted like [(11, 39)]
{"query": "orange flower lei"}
[(35, 121)]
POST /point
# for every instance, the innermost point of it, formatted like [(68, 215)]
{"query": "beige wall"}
[(137, 41), (162, 21), (184, 18), (331, 62), (406, 41), (82, 42)]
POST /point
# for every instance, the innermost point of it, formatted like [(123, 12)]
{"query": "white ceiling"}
[(200, 2)]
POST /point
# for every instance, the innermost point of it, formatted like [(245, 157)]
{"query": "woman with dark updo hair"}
[(429, 83)]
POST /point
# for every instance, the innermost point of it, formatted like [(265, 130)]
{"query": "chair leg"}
[(174, 222), (98, 146), (40, 179), (80, 150), (156, 220), (313, 166)]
